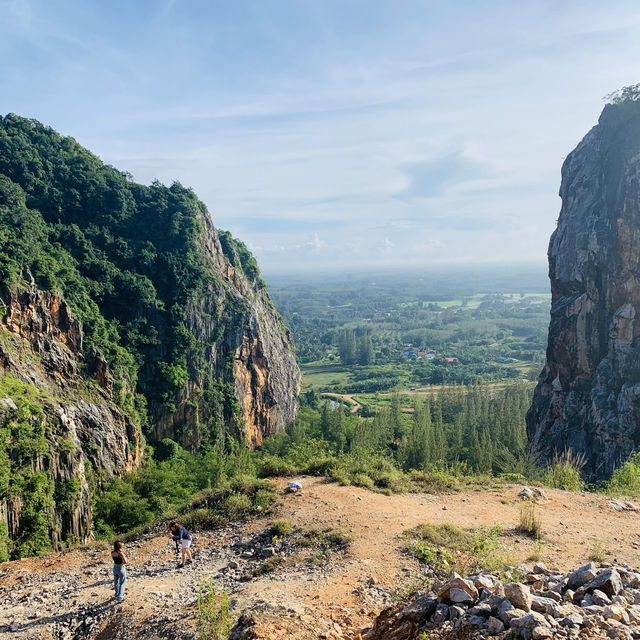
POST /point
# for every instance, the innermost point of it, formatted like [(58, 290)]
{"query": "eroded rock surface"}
[(82, 428), (588, 395)]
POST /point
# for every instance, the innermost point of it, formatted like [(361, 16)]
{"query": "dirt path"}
[(345, 397), (302, 602)]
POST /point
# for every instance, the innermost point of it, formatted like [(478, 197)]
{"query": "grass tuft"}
[(564, 472), (529, 522)]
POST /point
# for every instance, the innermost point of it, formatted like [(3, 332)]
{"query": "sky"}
[(333, 134)]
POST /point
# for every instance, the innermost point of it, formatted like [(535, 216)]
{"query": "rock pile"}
[(589, 602)]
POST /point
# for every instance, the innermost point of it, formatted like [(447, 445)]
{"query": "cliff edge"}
[(588, 396)]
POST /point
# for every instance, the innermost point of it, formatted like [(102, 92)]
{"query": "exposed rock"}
[(420, 609), (458, 584), (599, 598), (495, 626), (581, 576), (519, 595), (588, 395), (496, 615), (247, 346), (608, 581), (43, 348)]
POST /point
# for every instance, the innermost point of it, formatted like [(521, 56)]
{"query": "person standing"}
[(179, 532), (119, 570)]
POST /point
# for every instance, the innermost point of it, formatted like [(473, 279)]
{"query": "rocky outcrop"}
[(246, 345), (588, 396), (60, 428), (603, 603)]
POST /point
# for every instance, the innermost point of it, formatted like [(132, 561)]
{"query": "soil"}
[(298, 600)]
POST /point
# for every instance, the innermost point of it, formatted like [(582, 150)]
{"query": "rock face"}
[(247, 346), (588, 395), (159, 322), (76, 427)]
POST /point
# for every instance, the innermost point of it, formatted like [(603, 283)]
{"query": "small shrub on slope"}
[(626, 480)]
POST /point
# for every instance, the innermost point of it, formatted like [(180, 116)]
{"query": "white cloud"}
[(340, 123)]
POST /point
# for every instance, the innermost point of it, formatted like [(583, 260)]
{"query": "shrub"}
[(214, 616), (272, 466), (201, 519), (166, 449), (625, 481), (564, 472), (4, 542), (597, 553), (237, 505), (446, 547), (337, 538), (269, 565), (281, 527), (264, 498), (363, 480)]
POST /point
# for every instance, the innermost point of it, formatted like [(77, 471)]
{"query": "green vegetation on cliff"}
[(125, 256), (141, 269)]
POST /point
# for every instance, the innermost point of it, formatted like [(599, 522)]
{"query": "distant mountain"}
[(588, 396), (124, 314)]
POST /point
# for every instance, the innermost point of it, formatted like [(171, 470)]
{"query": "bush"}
[(564, 472), (269, 565), (271, 466), (281, 527), (201, 519), (626, 480), (237, 505), (445, 547), (363, 480), (4, 543), (166, 449), (214, 616), (263, 499)]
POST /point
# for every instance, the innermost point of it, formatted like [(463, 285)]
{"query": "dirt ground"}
[(335, 601)]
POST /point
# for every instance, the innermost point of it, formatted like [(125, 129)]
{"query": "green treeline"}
[(125, 256), (473, 428)]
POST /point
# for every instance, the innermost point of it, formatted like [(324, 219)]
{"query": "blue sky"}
[(333, 134)]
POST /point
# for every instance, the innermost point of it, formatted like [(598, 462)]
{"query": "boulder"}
[(459, 596), (456, 612), (441, 614), (422, 608), (582, 576), (519, 595), (600, 598), (607, 581), (458, 583), (540, 604), (481, 609), (540, 632), (484, 582), (495, 626)]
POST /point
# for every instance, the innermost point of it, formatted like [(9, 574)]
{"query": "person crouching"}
[(177, 531)]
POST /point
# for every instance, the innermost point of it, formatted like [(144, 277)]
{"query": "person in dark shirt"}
[(119, 570), (179, 532)]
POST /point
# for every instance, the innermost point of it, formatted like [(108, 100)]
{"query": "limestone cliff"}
[(159, 323), (245, 344), (60, 430), (588, 395)]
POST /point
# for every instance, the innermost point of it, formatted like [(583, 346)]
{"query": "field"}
[(365, 336)]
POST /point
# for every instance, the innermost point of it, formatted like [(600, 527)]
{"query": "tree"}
[(365, 350)]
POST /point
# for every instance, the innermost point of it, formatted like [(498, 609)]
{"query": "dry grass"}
[(528, 521)]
